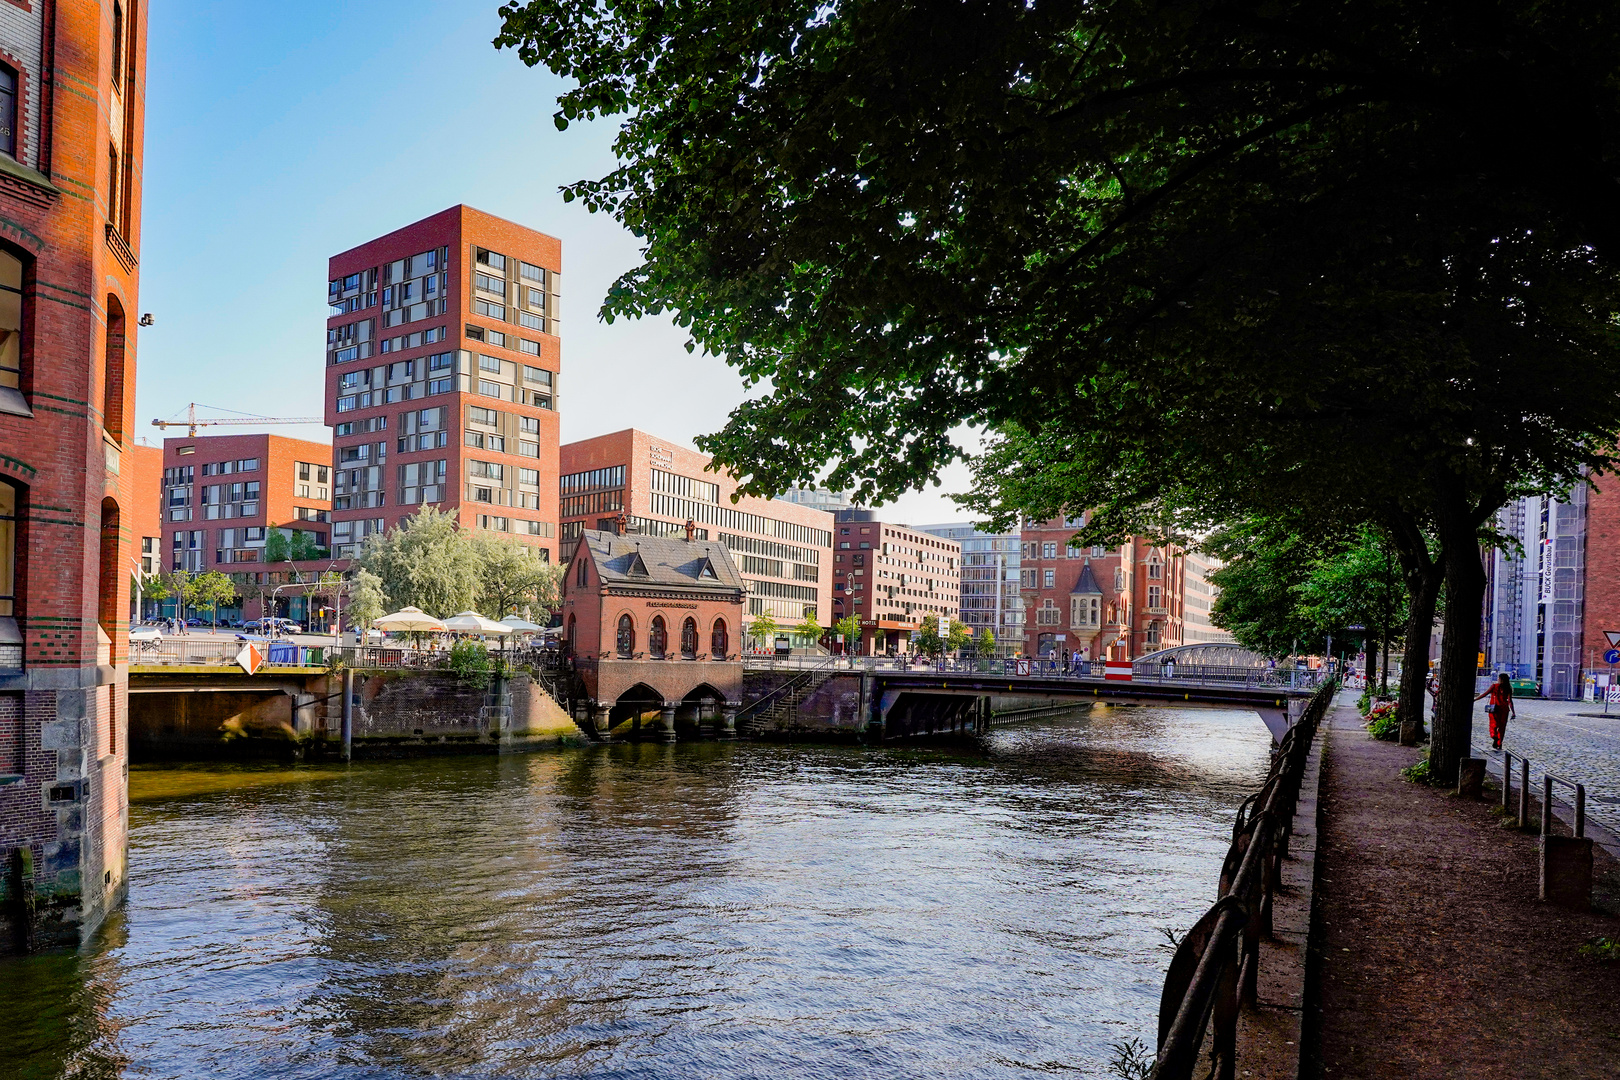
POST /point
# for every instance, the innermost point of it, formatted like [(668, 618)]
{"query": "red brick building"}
[(442, 358), (1103, 603), (890, 576), (653, 625), (72, 88), (146, 516), (223, 495), (783, 550)]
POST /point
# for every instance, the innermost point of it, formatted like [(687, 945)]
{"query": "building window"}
[(1155, 568), (11, 297), (689, 639), (8, 109), (112, 186), (719, 641), (627, 637), (573, 626), (657, 637), (1048, 579), (1155, 596), (8, 556), (581, 579)]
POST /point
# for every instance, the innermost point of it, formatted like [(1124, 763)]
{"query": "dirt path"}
[(1434, 957)]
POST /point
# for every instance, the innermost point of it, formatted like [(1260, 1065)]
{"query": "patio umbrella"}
[(522, 626), (470, 622), (409, 619)]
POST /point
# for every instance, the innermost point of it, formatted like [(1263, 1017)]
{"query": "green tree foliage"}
[(513, 576), (1358, 585), (292, 545), (366, 600), (471, 662), (1264, 565), (426, 561), (848, 630), (987, 642), (763, 630), (209, 590), (957, 636), (1202, 255), (809, 630), (929, 640)]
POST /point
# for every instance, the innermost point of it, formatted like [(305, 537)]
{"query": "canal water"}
[(702, 910)]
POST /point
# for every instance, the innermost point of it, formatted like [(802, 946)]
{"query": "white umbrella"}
[(470, 622), (409, 619), (522, 626)]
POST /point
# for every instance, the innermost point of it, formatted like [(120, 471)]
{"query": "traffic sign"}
[(1023, 667), (1612, 656), (250, 658), (1614, 638)]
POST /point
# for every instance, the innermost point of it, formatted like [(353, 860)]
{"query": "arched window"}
[(719, 642), (573, 634), (11, 650), (627, 636), (11, 321), (689, 639), (581, 577), (657, 637)]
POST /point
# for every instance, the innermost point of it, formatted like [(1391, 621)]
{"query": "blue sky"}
[(278, 135)]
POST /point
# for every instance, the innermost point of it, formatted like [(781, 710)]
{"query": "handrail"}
[(804, 675), (1215, 969), (1548, 779)]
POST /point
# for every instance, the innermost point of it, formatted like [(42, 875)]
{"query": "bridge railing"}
[(181, 650), (1215, 969)]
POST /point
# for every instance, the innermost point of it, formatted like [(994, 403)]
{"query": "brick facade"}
[(783, 550), (70, 196), (891, 576), (490, 368), (1141, 595)]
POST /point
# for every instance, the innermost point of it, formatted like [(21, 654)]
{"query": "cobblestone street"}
[(1565, 738)]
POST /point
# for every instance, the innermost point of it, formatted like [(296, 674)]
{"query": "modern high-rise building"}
[(442, 358), (1536, 594), (991, 597), (819, 498), (890, 576), (638, 483), (1198, 601), (72, 102)]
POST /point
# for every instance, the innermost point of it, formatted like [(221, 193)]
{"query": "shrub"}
[(1132, 1060), (1384, 722), (1602, 949), (1419, 773), (471, 663)]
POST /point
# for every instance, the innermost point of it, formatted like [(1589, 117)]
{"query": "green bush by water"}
[(1384, 722)]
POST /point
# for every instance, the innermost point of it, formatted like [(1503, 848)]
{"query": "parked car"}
[(145, 632)]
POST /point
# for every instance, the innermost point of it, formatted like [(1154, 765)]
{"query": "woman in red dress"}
[(1499, 708)]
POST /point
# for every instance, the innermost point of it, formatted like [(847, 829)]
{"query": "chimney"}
[(621, 524), (691, 528)]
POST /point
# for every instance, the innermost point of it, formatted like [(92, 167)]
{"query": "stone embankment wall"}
[(833, 710), (396, 713)]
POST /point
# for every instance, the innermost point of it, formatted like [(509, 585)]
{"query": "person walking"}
[(1499, 708)]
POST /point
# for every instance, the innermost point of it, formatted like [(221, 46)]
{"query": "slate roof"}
[(662, 561), (1087, 584)]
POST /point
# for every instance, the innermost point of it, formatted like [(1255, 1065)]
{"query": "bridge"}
[(898, 701)]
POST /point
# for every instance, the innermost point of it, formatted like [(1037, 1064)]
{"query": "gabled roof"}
[(661, 561), (1087, 584)]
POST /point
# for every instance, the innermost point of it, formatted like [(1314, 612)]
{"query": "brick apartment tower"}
[(442, 356), (221, 497), (72, 87), (890, 576), (146, 516), (783, 550)]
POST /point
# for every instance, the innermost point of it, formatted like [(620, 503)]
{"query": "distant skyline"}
[(278, 137)]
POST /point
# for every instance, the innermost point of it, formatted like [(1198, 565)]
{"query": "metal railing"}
[(827, 665), (1548, 780), (1215, 969), (1154, 674)]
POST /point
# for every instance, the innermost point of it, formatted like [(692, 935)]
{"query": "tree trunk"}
[(1372, 663), (1423, 575), (1459, 650), (1384, 671)]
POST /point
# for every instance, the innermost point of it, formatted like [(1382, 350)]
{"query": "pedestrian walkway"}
[(1432, 956)]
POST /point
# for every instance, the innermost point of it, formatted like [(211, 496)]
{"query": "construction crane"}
[(192, 423)]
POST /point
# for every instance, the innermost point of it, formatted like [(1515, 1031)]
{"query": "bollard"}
[(1580, 809), (1546, 805), (1507, 783), (1566, 871), (1470, 777)]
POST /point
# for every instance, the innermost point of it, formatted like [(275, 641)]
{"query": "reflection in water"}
[(696, 910)]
